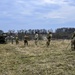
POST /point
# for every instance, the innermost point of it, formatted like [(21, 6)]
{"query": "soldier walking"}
[(17, 40), (26, 40), (6, 39), (36, 38), (12, 39), (49, 36)]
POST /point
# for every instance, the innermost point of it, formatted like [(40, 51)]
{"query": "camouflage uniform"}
[(49, 36), (12, 39), (17, 40), (73, 42), (6, 39), (26, 40), (36, 38)]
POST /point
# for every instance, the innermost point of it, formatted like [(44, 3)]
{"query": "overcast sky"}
[(36, 14)]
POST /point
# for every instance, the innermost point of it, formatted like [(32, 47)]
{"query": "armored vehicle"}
[(3, 38)]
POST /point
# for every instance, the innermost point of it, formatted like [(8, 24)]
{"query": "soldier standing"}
[(73, 41), (26, 40), (17, 40), (49, 36), (12, 39), (6, 39), (36, 38)]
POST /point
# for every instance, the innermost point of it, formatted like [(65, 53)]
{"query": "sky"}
[(36, 14)]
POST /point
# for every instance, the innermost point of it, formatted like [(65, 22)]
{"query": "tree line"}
[(60, 33)]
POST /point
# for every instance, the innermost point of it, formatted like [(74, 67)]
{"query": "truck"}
[(3, 38)]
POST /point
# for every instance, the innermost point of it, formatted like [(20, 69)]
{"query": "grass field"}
[(58, 59)]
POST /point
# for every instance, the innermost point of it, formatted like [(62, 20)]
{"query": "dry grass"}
[(37, 60)]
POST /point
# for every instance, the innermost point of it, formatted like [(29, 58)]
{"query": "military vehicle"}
[(3, 38)]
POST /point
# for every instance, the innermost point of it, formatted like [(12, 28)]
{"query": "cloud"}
[(70, 2), (28, 11), (65, 13)]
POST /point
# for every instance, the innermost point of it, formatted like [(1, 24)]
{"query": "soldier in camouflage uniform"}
[(6, 39), (26, 40), (49, 36), (36, 38), (12, 39), (73, 41), (17, 40)]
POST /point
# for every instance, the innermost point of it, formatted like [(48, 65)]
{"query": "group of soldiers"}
[(49, 36), (36, 38)]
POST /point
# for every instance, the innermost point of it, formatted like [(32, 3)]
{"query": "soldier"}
[(73, 41), (26, 40), (12, 39), (49, 36), (6, 39), (36, 38), (17, 40)]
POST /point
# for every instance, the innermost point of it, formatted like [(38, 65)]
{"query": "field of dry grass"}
[(58, 59)]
